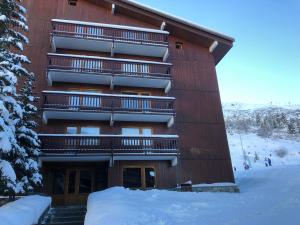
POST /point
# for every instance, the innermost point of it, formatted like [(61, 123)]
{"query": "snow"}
[(264, 147), (25, 211), (7, 170), (225, 184), (109, 95), (268, 196), (111, 26), (111, 59), (3, 18)]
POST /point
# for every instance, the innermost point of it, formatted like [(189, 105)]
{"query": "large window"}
[(85, 101), (85, 181), (139, 177)]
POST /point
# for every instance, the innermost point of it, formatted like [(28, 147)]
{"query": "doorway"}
[(71, 184)]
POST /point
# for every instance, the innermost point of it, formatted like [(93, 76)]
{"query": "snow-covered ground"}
[(25, 211), (282, 151), (268, 197)]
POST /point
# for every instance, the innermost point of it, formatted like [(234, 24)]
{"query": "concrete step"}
[(65, 215)]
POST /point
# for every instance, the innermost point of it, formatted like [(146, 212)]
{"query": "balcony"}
[(64, 147), (110, 38), (108, 71), (107, 107)]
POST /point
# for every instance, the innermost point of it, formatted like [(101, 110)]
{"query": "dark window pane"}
[(85, 182), (72, 180), (132, 177), (150, 177), (59, 182)]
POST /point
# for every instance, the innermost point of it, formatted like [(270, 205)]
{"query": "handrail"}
[(119, 34)]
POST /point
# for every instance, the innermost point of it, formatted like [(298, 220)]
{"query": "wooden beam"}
[(163, 25), (113, 8), (213, 46)]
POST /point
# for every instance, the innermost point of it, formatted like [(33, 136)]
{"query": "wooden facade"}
[(186, 73)]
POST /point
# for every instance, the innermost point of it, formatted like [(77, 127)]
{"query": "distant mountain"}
[(264, 120)]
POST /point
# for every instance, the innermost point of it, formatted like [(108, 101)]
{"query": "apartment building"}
[(128, 97)]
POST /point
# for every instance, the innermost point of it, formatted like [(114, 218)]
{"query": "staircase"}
[(65, 215)]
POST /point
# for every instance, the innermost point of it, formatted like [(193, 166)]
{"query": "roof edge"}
[(178, 19)]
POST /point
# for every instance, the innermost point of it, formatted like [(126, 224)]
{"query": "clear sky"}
[(264, 64)]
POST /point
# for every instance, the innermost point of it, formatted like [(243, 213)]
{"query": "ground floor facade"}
[(70, 183)]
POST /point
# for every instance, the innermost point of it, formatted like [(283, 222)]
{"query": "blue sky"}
[(264, 64)]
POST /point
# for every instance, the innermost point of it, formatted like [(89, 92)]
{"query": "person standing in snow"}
[(269, 162), (266, 162)]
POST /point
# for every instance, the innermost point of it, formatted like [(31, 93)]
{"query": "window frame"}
[(143, 175)]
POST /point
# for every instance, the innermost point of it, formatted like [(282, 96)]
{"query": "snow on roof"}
[(112, 59), (109, 95), (176, 18), (111, 26)]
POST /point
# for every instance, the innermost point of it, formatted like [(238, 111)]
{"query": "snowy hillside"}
[(258, 131), (268, 197)]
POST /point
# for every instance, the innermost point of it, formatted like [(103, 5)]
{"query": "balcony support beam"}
[(166, 55), (112, 49), (174, 162), (168, 87), (45, 119), (53, 46), (111, 162), (111, 83), (111, 123), (171, 122)]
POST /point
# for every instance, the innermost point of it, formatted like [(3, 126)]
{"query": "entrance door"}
[(79, 184)]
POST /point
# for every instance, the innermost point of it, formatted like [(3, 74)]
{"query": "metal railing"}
[(116, 144), (113, 33), (109, 66), (75, 101)]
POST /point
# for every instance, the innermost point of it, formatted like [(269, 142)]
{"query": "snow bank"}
[(25, 211), (268, 197)]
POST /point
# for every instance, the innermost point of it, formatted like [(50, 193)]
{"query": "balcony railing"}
[(65, 30), (91, 106), (110, 71), (109, 144)]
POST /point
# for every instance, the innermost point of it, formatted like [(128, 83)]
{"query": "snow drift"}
[(25, 211), (268, 196)]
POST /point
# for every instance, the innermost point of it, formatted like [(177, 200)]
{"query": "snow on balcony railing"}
[(113, 66), (83, 101), (116, 33), (112, 144)]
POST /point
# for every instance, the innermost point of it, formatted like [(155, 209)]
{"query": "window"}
[(139, 177), (130, 103), (71, 130), (91, 141), (89, 102), (132, 131), (132, 177), (179, 45), (89, 65), (72, 2), (149, 177), (59, 182), (130, 69), (85, 181), (72, 182)]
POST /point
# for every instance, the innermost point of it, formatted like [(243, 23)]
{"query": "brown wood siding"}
[(199, 120)]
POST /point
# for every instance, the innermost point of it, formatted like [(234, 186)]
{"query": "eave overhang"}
[(176, 26)]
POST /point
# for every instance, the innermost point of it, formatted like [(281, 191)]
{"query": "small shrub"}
[(282, 152)]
